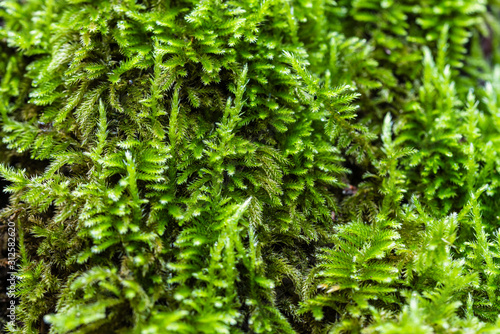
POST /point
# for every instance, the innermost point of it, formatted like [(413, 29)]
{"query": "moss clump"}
[(248, 166)]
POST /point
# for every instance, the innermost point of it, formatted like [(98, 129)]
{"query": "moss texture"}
[(210, 166)]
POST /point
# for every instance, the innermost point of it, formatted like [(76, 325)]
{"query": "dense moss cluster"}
[(211, 166)]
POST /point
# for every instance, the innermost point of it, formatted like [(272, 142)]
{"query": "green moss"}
[(247, 166)]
